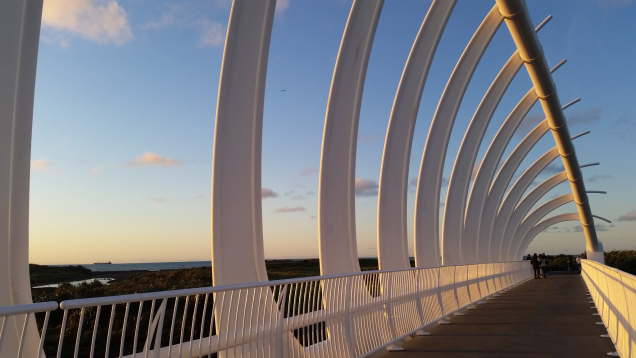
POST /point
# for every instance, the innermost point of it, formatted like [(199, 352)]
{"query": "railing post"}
[(348, 327)]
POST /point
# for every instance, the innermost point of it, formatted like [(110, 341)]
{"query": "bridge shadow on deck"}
[(539, 318)]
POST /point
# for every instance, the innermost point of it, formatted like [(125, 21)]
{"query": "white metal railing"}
[(346, 315), (614, 294)]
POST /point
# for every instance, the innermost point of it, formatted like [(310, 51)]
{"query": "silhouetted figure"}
[(543, 263), (534, 261), (568, 264)]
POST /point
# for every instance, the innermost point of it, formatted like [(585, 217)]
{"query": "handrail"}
[(306, 317), (614, 293)]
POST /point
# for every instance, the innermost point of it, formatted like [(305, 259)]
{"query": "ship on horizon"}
[(102, 263)]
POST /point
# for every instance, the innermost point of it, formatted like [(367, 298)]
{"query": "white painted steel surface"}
[(329, 316), (486, 172), (520, 27), (525, 241), (456, 196), (526, 204), (337, 227), (392, 221), (512, 198), (614, 295), (19, 40), (430, 177), (237, 229)]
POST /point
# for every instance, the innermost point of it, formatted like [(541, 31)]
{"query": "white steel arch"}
[(338, 246), (527, 239), (539, 213), (512, 198), (430, 178), (520, 26), (524, 207), (237, 230), (392, 221)]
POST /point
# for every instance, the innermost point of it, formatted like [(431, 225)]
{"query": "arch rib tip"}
[(556, 67), (571, 103), (589, 165), (543, 23), (602, 218), (580, 134), (596, 192)]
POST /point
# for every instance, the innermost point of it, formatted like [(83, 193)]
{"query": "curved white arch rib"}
[(20, 27), (237, 230), (512, 198), (453, 221), (527, 203), (486, 172), (500, 184), (337, 229), (544, 225), (520, 27), (427, 251), (533, 218), (392, 232)]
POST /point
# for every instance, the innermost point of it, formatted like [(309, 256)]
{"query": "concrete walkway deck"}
[(539, 319)]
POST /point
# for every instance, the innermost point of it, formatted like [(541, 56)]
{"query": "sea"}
[(149, 266)]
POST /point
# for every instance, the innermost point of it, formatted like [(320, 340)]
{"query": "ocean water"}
[(149, 266)]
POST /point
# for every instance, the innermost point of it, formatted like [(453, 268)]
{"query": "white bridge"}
[(470, 254)]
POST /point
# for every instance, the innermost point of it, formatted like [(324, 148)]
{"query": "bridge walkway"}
[(539, 318)]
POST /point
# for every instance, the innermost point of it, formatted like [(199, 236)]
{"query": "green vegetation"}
[(41, 274), (624, 260)]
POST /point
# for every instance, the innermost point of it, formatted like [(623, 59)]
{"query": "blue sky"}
[(125, 106)]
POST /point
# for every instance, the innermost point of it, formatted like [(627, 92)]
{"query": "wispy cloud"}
[(309, 171), (212, 33), (159, 200), (630, 216), (528, 124), (290, 210), (102, 21), (624, 127), (368, 138), (281, 6), (40, 165), (613, 4), (598, 227), (584, 117), (366, 187), (596, 177), (150, 158), (267, 193), (553, 169)]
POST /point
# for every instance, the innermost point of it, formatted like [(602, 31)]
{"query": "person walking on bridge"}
[(543, 263), (534, 261)]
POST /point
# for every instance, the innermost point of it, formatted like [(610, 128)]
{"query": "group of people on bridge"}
[(540, 265)]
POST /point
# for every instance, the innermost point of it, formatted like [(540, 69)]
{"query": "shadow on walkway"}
[(539, 318)]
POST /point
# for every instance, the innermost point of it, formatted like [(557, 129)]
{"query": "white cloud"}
[(290, 210), (366, 187), (267, 193), (39, 165), (213, 33), (630, 216), (307, 172), (101, 21), (150, 158), (281, 5)]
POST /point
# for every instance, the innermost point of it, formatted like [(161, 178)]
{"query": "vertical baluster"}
[(123, 330), (141, 306), (24, 329), (212, 310), (227, 319), (219, 320), (44, 327), (110, 329), (59, 345), (79, 331), (205, 308), (194, 319), (242, 326), (183, 321), (260, 321), (236, 313), (174, 316), (99, 310), (148, 338)]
